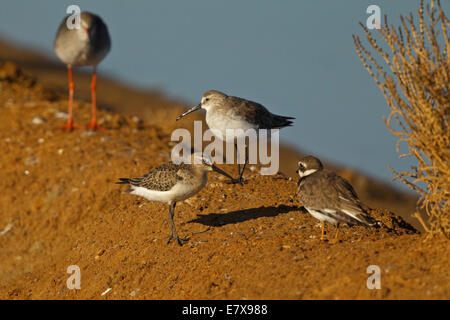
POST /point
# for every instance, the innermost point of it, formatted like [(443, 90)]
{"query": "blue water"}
[(295, 57)]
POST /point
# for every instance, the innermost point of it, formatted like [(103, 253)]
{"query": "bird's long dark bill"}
[(221, 172), (194, 108)]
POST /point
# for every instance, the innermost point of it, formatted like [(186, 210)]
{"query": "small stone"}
[(38, 120), (106, 291), (88, 133), (99, 254), (136, 119), (133, 293), (7, 229), (61, 115), (31, 160)]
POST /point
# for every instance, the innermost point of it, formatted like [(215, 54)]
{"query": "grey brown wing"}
[(349, 201), (337, 198), (160, 178), (256, 113)]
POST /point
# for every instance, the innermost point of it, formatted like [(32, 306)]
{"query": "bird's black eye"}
[(207, 99), (301, 167)]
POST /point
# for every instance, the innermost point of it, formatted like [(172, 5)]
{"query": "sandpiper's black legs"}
[(237, 159), (241, 173), (243, 167), (173, 231)]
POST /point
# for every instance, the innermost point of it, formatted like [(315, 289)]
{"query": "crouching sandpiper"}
[(171, 182), (329, 197), (226, 112)]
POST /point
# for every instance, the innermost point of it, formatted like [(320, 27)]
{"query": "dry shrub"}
[(416, 88)]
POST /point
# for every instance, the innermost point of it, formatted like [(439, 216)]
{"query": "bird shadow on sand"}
[(221, 219)]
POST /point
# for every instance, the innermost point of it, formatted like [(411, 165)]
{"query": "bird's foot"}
[(94, 127), (179, 240), (69, 126), (239, 180)]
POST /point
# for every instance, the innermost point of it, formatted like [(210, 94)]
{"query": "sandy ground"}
[(155, 108), (60, 207)]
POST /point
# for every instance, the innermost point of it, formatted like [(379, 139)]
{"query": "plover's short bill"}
[(83, 45), (226, 112), (329, 197), (172, 182)]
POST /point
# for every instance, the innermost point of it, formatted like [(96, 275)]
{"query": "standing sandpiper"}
[(329, 197), (226, 112), (86, 45), (172, 182)]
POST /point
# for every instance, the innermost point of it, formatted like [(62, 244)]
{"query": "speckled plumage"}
[(172, 182), (162, 177)]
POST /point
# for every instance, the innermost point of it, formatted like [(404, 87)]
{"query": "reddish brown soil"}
[(60, 207), (153, 108)]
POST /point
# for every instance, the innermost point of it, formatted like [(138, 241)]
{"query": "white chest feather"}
[(220, 122)]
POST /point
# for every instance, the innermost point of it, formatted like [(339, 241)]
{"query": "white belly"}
[(219, 125), (179, 192), (321, 216)]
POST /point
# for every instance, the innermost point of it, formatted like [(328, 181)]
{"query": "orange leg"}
[(93, 125), (335, 240), (69, 126), (323, 231)]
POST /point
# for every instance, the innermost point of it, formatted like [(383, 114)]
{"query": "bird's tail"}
[(365, 218), (368, 221), (282, 121), (123, 181)]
